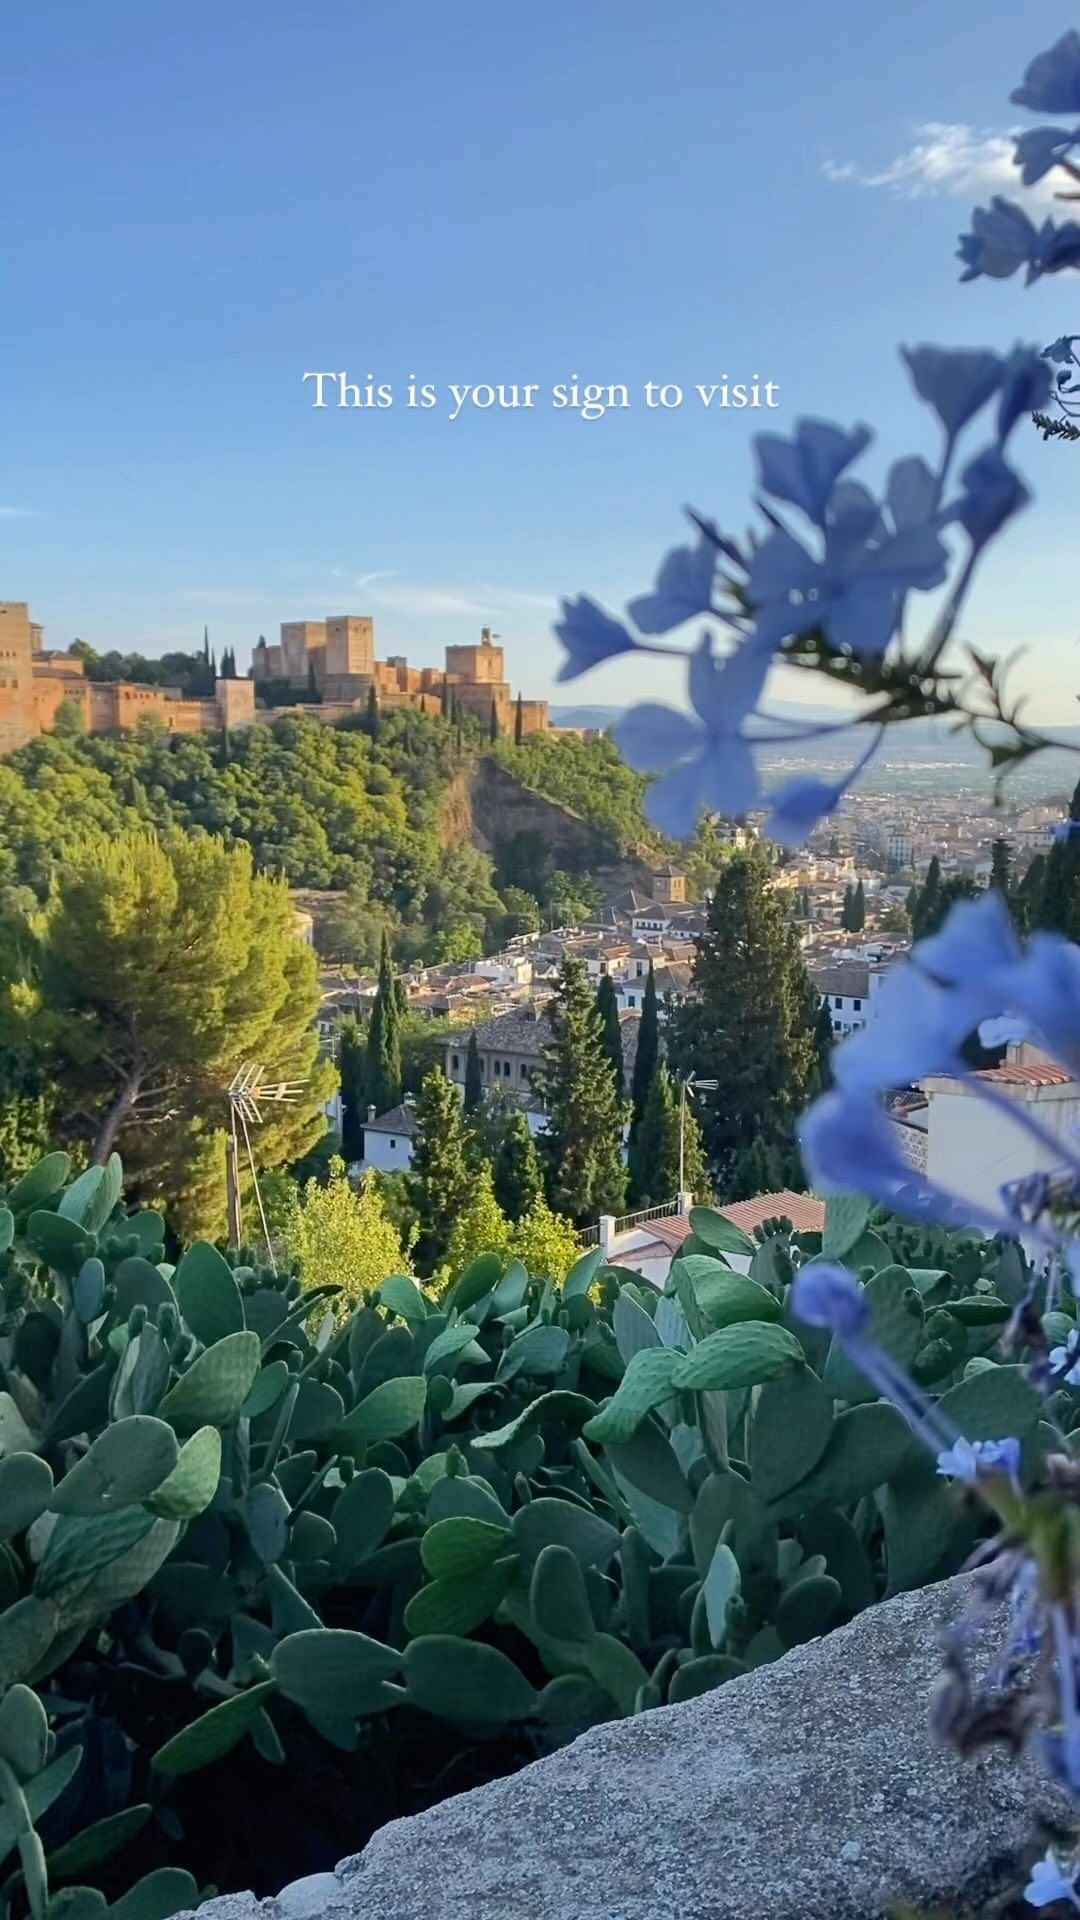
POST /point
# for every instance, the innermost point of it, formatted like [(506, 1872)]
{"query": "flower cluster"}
[(1003, 237)]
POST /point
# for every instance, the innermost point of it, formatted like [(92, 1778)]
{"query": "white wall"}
[(386, 1152), (974, 1149)]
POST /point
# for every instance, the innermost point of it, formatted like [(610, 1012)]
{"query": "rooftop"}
[(400, 1119)]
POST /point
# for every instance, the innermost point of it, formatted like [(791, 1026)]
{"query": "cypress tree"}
[(474, 1083), (847, 910), (493, 723), (372, 722), (352, 1062), (1059, 908), (1001, 867), (608, 1009), (384, 1041), (582, 1143), (858, 908), (648, 1051), (444, 698), (749, 1019), (519, 1178), (654, 1151), (1027, 900), (440, 1177), (928, 906), (518, 722)]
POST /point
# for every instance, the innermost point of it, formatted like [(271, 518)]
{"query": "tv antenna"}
[(247, 1095)]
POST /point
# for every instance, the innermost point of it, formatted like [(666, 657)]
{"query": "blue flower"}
[(805, 469), (976, 946), (826, 1295), (1066, 1360), (1045, 987), (1042, 149), (1050, 1882), (709, 765), (798, 805), (1025, 387), (955, 382), (1052, 81), (684, 588), (966, 1460), (911, 493), (992, 494), (589, 636), (850, 1146), (855, 593), (919, 1028), (1004, 238)]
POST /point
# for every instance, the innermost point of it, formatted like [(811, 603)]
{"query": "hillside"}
[(388, 820)]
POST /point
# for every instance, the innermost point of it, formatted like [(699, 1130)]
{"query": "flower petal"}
[(652, 737)]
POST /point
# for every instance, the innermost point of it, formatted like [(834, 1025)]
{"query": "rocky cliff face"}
[(811, 1789), (493, 807)]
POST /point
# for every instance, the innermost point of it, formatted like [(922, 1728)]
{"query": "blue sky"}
[(206, 201)]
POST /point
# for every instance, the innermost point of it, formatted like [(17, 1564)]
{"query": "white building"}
[(976, 1147), (848, 988), (388, 1139), (648, 1242)]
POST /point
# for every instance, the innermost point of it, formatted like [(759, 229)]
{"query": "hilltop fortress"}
[(333, 660)]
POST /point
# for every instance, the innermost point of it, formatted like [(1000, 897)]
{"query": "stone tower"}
[(18, 714)]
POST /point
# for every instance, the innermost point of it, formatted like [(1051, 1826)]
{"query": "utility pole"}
[(689, 1084)]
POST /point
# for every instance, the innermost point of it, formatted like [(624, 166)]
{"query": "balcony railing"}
[(590, 1236)]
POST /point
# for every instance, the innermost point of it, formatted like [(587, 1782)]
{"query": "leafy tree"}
[(607, 1008), (583, 1139), (521, 912), (383, 1078), (474, 1080), (342, 1235), (927, 912), (1001, 867), (441, 1179), (545, 1242), (654, 1150), (162, 967), (352, 1073), (480, 1226), (518, 1175), (1059, 906), (748, 1021), (69, 721), (648, 1050)]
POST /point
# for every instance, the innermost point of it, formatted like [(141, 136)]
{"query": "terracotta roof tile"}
[(1017, 1076)]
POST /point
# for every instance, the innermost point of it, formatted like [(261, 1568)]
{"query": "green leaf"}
[(615, 1667), (702, 1675), (400, 1294), (544, 1522), (868, 1446), (708, 1225), (24, 1731), (388, 1412), (789, 1431), (138, 1283), (128, 1460), (846, 1215), (26, 1485), (743, 1355), (895, 1325), (466, 1681), (558, 1597), (538, 1350), (462, 1604), (39, 1795), (61, 1243), (455, 1547), (448, 1344), (647, 1383), (567, 1409), (582, 1273), (98, 1842), (193, 1481), (208, 1296), (333, 1671), (215, 1386), (648, 1462), (39, 1183), (267, 1388), (157, 1896), (361, 1517), (80, 1544), (720, 1589), (214, 1733), (723, 1296), (808, 1608), (479, 1278), (994, 1404)]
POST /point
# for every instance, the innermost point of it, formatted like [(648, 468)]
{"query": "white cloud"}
[(419, 601), (959, 161)]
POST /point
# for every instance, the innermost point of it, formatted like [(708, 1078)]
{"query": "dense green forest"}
[(357, 809)]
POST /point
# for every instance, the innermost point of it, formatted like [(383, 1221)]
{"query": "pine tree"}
[(911, 904), (582, 1142), (493, 723), (928, 906), (372, 720), (654, 1151), (648, 1051), (1059, 908), (607, 1007), (474, 1080), (384, 1041), (858, 908), (440, 1178), (519, 1177), (352, 1073), (748, 1020), (1001, 867), (518, 722)]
